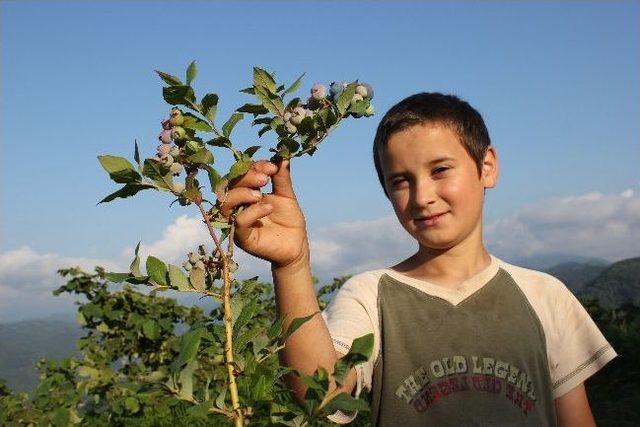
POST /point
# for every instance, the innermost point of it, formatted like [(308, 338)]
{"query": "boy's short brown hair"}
[(434, 107)]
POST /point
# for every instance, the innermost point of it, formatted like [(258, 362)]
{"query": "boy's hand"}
[(271, 226)]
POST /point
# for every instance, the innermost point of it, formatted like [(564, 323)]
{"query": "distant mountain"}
[(544, 262), (23, 343), (576, 275), (617, 284)]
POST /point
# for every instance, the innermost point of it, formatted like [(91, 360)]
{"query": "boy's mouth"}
[(429, 220)]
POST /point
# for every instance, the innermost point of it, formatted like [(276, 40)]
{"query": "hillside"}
[(577, 275), (617, 284), (23, 343)]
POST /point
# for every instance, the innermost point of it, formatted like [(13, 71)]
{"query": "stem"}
[(228, 320)]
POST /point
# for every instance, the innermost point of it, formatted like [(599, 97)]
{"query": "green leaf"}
[(276, 328), (221, 398), (342, 104), (197, 279), (239, 168), (346, 403), (116, 277), (195, 123), (271, 102), (202, 156), (192, 72), (179, 95), (262, 79), (296, 323), (157, 270), (265, 129), (189, 344), (134, 268), (120, 169), (248, 90), (214, 177), (251, 150), (186, 381), (177, 279), (254, 109), (248, 311), (295, 85), (136, 152), (127, 191), (219, 142), (228, 126), (158, 173), (293, 104), (359, 352), (209, 106), (169, 79), (151, 329)]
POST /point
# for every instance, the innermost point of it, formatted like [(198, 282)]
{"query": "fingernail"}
[(256, 193)]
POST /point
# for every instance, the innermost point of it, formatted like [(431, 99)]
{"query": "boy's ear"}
[(490, 168)]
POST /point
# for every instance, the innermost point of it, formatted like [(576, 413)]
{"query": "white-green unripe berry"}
[(186, 265), (369, 111), (167, 160), (175, 168), (356, 97), (175, 151), (178, 133), (298, 115), (178, 187), (193, 257), (290, 127), (199, 264), (287, 116), (362, 91), (175, 117)]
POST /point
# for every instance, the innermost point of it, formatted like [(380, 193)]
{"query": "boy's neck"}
[(448, 268)]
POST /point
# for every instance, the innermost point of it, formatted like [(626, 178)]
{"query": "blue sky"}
[(557, 84)]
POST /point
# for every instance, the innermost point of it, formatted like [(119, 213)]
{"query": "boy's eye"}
[(397, 182), (440, 170)]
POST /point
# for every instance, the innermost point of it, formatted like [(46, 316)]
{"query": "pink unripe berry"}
[(308, 113), (165, 136), (318, 91), (166, 124), (163, 149)]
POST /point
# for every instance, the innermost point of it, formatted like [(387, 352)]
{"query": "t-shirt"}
[(495, 350)]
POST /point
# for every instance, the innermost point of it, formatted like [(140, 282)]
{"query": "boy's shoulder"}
[(533, 281)]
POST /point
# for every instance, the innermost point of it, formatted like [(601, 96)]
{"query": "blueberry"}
[(166, 124), (178, 187), (163, 149), (291, 128), (369, 90), (178, 133), (176, 118), (175, 168), (362, 90), (336, 89)]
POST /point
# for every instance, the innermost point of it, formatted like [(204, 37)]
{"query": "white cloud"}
[(593, 224)]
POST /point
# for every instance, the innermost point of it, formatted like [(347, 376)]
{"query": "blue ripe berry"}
[(336, 89), (318, 91)]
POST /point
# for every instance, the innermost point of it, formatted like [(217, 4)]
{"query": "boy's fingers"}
[(251, 214), (239, 196), (282, 185), (257, 176)]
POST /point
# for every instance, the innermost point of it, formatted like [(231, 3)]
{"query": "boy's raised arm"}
[(272, 227)]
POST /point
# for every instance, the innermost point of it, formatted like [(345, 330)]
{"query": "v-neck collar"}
[(453, 295)]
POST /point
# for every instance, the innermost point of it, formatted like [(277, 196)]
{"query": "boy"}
[(461, 338)]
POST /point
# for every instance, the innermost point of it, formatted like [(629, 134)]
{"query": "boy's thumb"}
[(281, 181)]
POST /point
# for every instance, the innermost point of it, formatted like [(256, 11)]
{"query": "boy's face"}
[(433, 185)]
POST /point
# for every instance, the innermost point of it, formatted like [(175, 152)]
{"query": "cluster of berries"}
[(319, 100), (364, 92), (171, 131), (204, 261)]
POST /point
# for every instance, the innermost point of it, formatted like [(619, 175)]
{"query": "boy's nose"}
[(423, 195)]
